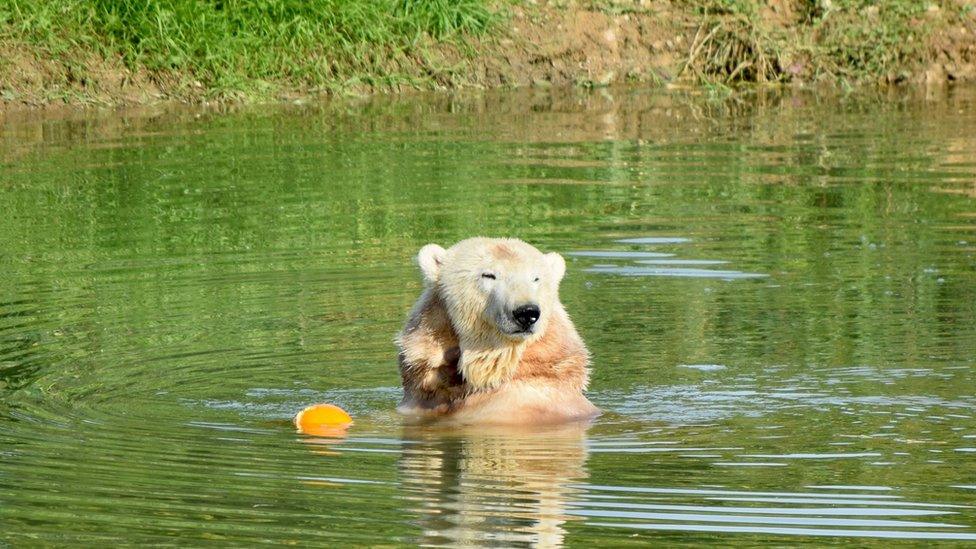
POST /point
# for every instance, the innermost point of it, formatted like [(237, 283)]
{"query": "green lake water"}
[(778, 291)]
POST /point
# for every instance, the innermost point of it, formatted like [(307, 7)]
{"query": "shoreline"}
[(716, 45)]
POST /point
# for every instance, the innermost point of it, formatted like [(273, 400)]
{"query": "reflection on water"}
[(779, 292), (658, 267), (493, 486)]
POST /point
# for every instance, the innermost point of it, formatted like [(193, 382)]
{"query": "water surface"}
[(779, 293)]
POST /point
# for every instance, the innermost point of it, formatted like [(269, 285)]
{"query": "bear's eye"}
[(536, 279), (488, 275)]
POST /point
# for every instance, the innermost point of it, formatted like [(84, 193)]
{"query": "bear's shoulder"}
[(429, 315)]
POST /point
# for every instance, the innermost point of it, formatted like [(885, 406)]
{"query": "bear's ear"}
[(557, 264), (431, 258)]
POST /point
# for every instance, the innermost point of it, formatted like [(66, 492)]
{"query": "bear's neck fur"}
[(489, 361)]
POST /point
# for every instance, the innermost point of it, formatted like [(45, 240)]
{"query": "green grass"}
[(233, 47)]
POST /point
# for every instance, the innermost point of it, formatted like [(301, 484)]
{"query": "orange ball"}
[(320, 419)]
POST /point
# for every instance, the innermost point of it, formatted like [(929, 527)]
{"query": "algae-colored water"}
[(779, 293)]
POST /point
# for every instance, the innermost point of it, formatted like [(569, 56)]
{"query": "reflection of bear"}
[(489, 341), (493, 486)]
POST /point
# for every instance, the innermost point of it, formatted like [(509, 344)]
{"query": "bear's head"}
[(497, 291)]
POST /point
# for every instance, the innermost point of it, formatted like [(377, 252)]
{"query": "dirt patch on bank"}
[(591, 43), (552, 46), (30, 77)]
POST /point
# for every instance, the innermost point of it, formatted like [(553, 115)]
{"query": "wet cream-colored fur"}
[(464, 356)]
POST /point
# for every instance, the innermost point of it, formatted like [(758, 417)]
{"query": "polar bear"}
[(488, 341)]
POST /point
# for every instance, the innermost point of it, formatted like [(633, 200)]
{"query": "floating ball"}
[(322, 419)]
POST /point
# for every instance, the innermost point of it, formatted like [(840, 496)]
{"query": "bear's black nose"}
[(526, 315)]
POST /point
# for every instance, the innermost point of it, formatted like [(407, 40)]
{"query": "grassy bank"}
[(232, 48), (112, 51)]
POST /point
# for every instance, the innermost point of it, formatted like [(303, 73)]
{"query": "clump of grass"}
[(444, 18), (243, 46), (732, 50), (864, 37), (847, 40)]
